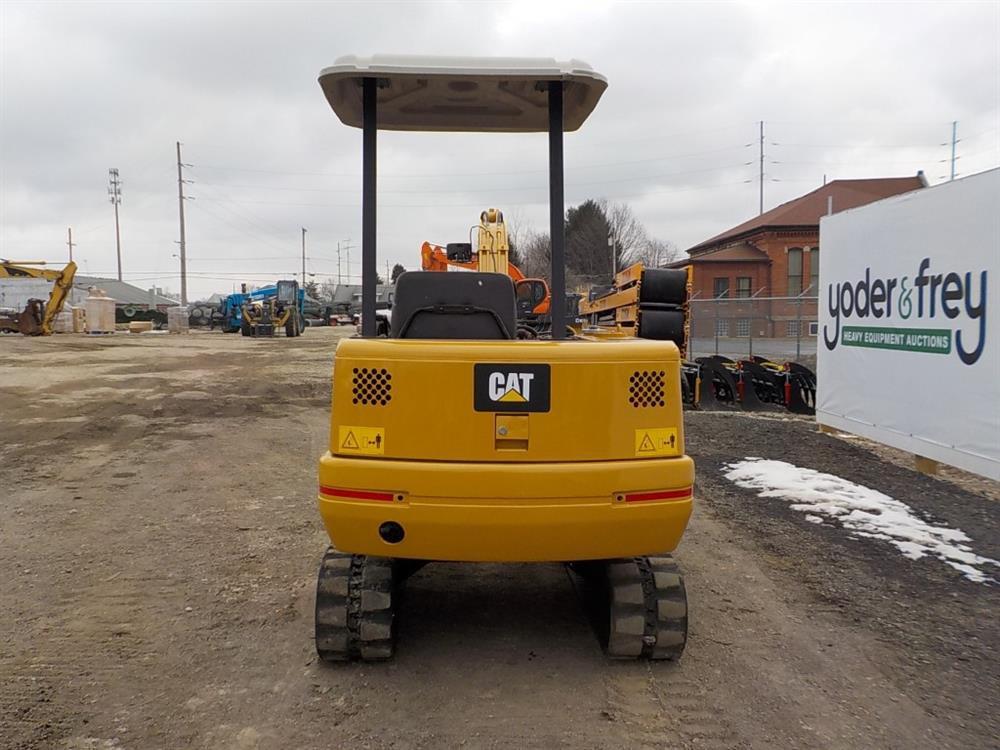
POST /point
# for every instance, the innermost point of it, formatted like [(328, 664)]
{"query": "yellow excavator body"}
[(506, 450), (452, 441)]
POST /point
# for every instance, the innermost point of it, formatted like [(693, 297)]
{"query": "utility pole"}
[(115, 193), (180, 204), (954, 142), (303, 257), (614, 257), (69, 232), (343, 246), (387, 272), (761, 166)]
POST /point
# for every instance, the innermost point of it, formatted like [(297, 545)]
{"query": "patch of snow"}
[(865, 512)]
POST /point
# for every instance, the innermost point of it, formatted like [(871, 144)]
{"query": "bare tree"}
[(517, 233), (536, 254), (326, 291), (657, 253), (627, 231)]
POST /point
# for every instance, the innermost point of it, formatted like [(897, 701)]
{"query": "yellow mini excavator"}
[(451, 440), (38, 315)]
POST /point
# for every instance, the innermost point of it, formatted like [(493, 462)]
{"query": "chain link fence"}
[(779, 328)]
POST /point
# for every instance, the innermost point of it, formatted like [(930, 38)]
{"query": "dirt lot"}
[(159, 542)]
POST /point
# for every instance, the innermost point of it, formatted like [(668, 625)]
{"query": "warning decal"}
[(365, 441), (657, 441)]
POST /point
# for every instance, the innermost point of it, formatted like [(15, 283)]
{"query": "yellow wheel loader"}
[(451, 440), (38, 315)]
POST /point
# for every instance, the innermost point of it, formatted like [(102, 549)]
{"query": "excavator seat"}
[(470, 305)]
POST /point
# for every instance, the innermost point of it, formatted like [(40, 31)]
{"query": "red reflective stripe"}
[(356, 494), (636, 497)]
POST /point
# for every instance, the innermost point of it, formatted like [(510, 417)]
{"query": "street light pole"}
[(614, 257), (303, 256)]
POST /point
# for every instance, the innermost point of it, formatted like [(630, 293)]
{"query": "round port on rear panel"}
[(391, 532)]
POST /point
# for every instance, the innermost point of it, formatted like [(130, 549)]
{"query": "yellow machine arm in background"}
[(36, 320), (493, 246)]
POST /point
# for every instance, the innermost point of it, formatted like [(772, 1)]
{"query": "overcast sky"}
[(845, 90)]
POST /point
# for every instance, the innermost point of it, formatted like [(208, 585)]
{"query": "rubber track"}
[(648, 606), (355, 608)]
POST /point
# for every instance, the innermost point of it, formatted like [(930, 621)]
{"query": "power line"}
[(866, 162), (482, 190), (853, 147), (224, 199), (424, 175), (690, 188), (202, 208)]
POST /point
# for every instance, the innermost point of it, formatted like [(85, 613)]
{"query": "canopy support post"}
[(556, 210), (368, 191)]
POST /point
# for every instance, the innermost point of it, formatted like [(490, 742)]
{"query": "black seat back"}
[(437, 305)]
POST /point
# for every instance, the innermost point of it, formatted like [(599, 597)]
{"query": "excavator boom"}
[(492, 255)]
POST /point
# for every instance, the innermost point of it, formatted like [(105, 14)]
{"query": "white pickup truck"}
[(383, 322)]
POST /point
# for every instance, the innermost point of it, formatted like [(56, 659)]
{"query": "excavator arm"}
[(533, 296), (36, 320), (435, 258)]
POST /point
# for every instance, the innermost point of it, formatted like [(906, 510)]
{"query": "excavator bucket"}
[(29, 322)]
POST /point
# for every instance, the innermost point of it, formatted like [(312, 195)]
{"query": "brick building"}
[(776, 255)]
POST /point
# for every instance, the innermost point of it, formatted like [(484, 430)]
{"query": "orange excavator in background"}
[(492, 256)]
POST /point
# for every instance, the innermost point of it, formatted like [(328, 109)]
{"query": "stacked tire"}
[(662, 296)]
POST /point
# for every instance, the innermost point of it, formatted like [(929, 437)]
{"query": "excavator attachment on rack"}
[(755, 384)]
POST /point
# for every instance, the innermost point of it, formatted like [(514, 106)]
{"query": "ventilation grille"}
[(646, 388), (372, 387)]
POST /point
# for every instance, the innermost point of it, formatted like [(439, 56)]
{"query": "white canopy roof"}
[(487, 94)]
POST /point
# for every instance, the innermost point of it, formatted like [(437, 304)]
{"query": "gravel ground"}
[(945, 626), (159, 540)]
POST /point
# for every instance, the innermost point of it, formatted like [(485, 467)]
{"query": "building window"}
[(792, 328), (722, 327), (743, 327), (814, 272), (794, 271), (720, 287), (743, 286)]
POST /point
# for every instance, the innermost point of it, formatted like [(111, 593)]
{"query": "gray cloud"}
[(846, 90)]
